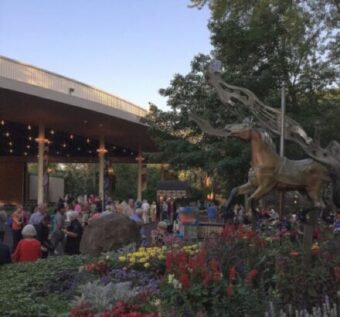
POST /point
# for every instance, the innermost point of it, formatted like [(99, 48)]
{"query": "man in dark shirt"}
[(5, 255), (43, 232), (73, 235)]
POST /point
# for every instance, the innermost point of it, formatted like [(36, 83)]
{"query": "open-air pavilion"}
[(45, 117)]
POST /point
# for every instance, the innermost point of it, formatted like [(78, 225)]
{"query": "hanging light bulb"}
[(29, 127), (71, 136), (52, 131), (7, 134), (2, 122), (88, 140)]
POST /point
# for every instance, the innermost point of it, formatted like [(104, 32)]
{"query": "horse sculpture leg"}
[(236, 191)]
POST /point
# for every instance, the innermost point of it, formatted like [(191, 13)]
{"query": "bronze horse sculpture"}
[(268, 170)]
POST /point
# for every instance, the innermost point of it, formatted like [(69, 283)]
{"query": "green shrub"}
[(26, 287)]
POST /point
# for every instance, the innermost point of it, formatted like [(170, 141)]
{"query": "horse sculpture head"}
[(241, 130)]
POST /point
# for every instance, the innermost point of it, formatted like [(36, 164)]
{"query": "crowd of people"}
[(39, 234)]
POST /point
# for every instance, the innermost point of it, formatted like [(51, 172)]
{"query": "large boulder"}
[(108, 233)]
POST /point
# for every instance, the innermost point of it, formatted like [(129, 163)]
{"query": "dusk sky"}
[(130, 48)]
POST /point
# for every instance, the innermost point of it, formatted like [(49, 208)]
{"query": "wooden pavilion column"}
[(41, 153), (101, 157)]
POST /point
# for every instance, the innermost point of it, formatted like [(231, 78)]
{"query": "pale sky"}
[(130, 48)]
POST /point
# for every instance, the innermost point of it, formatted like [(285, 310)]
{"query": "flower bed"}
[(238, 273)]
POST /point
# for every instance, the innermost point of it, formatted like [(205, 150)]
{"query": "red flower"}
[(230, 291), (232, 273), (105, 314), (215, 266), (294, 253), (206, 278), (184, 279), (168, 261), (251, 275)]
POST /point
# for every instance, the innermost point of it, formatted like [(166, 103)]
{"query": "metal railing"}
[(35, 76)]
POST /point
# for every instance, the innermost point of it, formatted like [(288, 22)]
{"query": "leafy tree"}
[(182, 143), (261, 44), (126, 181)]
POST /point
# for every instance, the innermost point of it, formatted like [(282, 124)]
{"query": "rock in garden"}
[(108, 233)]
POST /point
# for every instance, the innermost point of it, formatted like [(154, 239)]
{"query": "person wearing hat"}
[(28, 249)]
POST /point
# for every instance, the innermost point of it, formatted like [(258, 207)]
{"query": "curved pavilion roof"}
[(72, 110)]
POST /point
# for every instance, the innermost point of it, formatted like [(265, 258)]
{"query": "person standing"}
[(38, 215), (28, 249), (153, 212), (43, 232), (146, 211), (5, 254), (212, 212), (3, 220), (17, 225), (58, 236), (73, 235)]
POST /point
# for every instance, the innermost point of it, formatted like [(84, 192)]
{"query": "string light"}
[(102, 151), (28, 146), (11, 150), (63, 145), (25, 153), (78, 148), (10, 143), (114, 147), (71, 136), (7, 134), (30, 138), (88, 140), (29, 127), (52, 131), (2, 122)]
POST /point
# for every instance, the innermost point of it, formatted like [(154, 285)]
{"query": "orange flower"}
[(251, 275), (232, 273), (294, 253)]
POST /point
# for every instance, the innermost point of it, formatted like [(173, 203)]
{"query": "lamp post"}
[(282, 142)]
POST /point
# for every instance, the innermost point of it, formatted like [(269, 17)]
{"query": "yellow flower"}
[(133, 260), (122, 258), (161, 257), (146, 265), (171, 278)]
